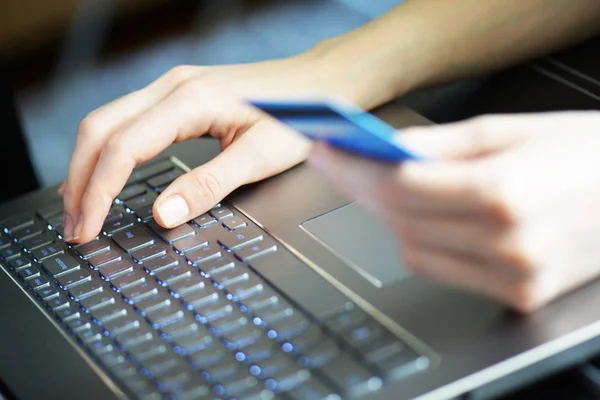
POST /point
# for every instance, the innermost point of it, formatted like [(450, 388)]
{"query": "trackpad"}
[(362, 241)]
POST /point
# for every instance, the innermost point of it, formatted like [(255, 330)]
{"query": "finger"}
[(414, 186), (94, 132), (470, 138), (61, 189), (360, 179), (468, 273), (191, 110), (264, 150), (449, 187), (471, 235)]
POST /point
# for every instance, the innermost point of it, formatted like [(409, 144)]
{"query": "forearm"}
[(425, 42)]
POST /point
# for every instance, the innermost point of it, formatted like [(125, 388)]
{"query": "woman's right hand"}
[(188, 102)]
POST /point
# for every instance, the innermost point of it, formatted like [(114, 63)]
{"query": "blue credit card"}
[(341, 125)]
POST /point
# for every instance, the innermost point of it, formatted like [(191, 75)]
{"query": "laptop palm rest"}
[(362, 241)]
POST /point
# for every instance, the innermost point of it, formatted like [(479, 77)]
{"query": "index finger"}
[(188, 112)]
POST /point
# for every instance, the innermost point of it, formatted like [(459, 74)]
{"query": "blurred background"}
[(65, 58)]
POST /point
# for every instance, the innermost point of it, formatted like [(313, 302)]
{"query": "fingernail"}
[(77, 231), (173, 210)]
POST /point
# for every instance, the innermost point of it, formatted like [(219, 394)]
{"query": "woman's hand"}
[(185, 103), (509, 207)]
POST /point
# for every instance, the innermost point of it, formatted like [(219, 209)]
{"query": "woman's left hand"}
[(508, 206)]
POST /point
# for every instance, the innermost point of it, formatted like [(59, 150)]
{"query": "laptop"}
[(286, 289)]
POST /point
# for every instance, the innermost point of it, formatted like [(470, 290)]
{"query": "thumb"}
[(472, 138), (262, 151)]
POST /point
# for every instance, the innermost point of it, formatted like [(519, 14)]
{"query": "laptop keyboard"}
[(185, 313)]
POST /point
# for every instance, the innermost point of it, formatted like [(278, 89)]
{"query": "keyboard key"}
[(149, 252), (208, 356), (253, 287), (240, 383), (51, 210), (204, 254), (220, 213), (164, 178), (155, 303), (218, 265), (135, 337), (276, 363), (101, 347), (93, 248), (37, 241), (292, 326), (287, 380), (144, 214), (113, 226), (115, 269), (146, 172), (19, 262), (348, 374), (73, 278), (224, 370), (98, 300), (130, 279), (240, 238), (47, 293), (30, 273), (259, 249), (204, 221), (234, 223), (162, 363), (132, 239), (140, 202), (166, 316), (110, 312), (368, 332), (348, 318), (148, 349), (399, 365), (138, 293), (60, 264), (258, 351), (161, 263), (103, 259), (188, 326), (173, 274), (132, 191), (119, 326), (188, 285), (48, 251), (57, 303), (201, 296), (56, 220), (194, 342), (319, 354), (86, 289), (307, 339), (29, 231), (194, 390), (17, 222), (313, 389), (190, 243), (5, 241), (171, 235), (242, 336), (10, 252), (38, 283), (67, 314)]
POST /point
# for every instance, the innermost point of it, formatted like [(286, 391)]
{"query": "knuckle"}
[(525, 296), (179, 74), (207, 185), (90, 127), (497, 204)]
